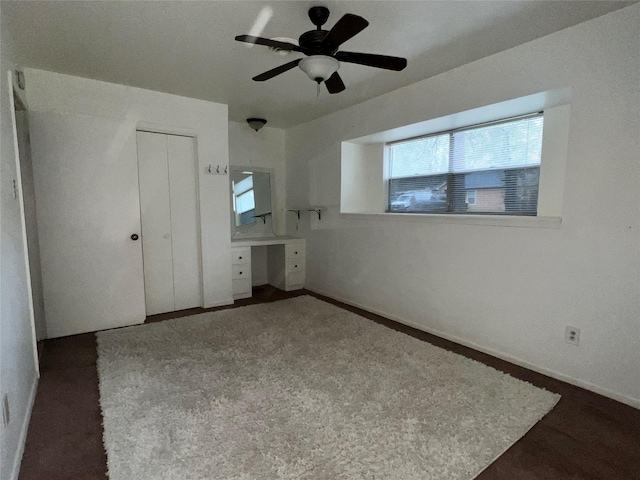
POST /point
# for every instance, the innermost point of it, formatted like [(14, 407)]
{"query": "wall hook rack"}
[(217, 170), (296, 210), (318, 211)]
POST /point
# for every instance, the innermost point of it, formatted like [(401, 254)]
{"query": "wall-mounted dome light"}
[(256, 123)]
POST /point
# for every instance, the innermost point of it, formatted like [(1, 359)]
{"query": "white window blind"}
[(490, 169)]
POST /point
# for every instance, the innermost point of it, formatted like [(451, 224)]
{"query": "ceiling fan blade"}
[(334, 83), (276, 71), (372, 60), (269, 43), (347, 27)]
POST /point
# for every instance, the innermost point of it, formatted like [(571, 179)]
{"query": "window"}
[(471, 197), (492, 168)]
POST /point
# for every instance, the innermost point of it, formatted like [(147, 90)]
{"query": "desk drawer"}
[(240, 255), (294, 266), (295, 252), (241, 288), (295, 280), (241, 271)]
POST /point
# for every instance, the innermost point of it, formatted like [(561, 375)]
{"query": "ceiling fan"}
[(321, 49)]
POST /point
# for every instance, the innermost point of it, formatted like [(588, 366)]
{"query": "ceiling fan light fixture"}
[(320, 47), (319, 67), (256, 123)]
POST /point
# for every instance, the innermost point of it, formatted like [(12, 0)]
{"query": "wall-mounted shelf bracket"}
[(296, 210), (263, 216), (318, 211)]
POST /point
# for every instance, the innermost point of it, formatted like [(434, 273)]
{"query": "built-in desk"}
[(285, 263)]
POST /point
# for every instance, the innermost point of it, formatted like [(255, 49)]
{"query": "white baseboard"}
[(17, 459), (633, 402)]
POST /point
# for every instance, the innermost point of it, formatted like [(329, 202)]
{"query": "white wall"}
[(362, 187), (262, 149), (95, 103), (510, 290), (18, 374)]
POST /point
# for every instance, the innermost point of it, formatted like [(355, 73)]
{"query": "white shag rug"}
[(301, 389)]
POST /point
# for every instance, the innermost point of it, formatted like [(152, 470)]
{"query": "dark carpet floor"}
[(585, 437)]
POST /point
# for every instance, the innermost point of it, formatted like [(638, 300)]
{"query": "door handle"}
[(134, 237)]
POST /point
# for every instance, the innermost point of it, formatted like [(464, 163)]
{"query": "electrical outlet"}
[(572, 335), (6, 417)]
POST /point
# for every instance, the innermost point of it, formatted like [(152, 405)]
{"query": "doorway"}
[(29, 212)]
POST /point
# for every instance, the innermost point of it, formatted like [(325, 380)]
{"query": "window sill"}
[(483, 220)]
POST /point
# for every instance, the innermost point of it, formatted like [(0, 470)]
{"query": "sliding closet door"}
[(184, 222), (170, 229)]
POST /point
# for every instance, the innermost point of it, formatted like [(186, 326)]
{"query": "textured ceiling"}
[(188, 48)]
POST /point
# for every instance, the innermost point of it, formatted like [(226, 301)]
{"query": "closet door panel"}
[(184, 222), (156, 222)]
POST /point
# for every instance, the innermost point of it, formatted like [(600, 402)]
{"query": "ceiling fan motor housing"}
[(318, 15), (312, 41)]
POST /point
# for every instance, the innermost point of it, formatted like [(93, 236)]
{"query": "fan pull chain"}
[(318, 90)]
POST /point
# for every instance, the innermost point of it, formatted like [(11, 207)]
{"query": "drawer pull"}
[(295, 266), (240, 273), (296, 253), (239, 258)]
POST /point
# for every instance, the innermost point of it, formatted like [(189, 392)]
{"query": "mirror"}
[(251, 196)]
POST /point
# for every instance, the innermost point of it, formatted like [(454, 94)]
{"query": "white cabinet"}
[(241, 272), (285, 263), (294, 266), (170, 229)]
